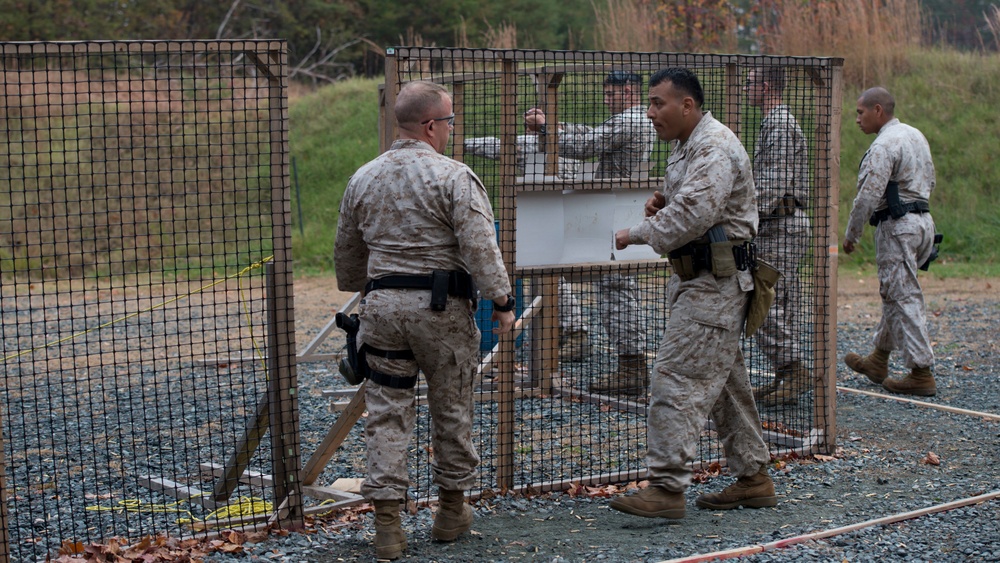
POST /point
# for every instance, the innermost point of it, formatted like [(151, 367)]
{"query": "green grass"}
[(952, 97), (332, 132)]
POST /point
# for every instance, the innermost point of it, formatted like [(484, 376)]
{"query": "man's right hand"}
[(534, 119), (506, 321), (655, 203)]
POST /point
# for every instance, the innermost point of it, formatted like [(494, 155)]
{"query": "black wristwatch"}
[(506, 307)]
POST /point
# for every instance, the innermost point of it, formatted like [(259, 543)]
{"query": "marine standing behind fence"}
[(781, 176)]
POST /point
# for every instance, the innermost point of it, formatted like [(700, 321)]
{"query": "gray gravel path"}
[(879, 471)]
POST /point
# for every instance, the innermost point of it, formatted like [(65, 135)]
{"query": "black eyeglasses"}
[(449, 118)]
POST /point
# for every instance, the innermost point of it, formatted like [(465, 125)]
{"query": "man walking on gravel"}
[(416, 234), (699, 368), (895, 181)]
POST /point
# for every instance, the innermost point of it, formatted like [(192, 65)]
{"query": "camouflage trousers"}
[(783, 243), (700, 372), (618, 300), (901, 245), (446, 349)]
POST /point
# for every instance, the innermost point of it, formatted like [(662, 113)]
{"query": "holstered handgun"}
[(354, 367)]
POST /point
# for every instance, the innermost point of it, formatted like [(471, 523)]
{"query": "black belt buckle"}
[(439, 289)]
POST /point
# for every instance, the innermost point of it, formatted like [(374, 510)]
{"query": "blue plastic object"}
[(485, 311)]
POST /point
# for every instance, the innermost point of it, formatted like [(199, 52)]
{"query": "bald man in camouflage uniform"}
[(406, 214), (699, 369), (781, 175), (622, 145), (899, 155)]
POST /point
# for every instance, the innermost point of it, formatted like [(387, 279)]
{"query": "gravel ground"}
[(880, 470)]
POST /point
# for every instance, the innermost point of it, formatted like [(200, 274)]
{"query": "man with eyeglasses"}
[(416, 234), (622, 145), (781, 177)]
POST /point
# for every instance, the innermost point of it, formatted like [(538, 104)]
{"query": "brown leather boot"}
[(755, 491), (390, 541), (632, 377), (652, 502), (920, 382), (574, 346), (875, 365), (453, 517), (794, 380)]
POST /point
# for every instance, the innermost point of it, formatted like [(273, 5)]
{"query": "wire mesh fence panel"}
[(563, 145), (145, 268)]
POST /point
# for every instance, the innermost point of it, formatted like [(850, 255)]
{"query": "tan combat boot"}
[(794, 380), (920, 382), (875, 365), (755, 491), (574, 346), (390, 541), (652, 502), (453, 517), (632, 377)]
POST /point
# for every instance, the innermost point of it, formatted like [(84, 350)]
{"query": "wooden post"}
[(458, 133), (282, 384), (732, 107), (390, 89), (505, 216), (545, 333), (826, 242), (4, 520), (548, 87)]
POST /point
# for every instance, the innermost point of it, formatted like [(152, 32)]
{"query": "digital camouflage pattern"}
[(526, 147), (699, 369), (899, 153), (413, 211), (621, 144), (781, 170)]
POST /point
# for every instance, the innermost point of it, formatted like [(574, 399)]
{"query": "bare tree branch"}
[(225, 20)]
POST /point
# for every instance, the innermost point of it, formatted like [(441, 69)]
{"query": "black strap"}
[(384, 379), (393, 381), (388, 354), (460, 284), (910, 207)]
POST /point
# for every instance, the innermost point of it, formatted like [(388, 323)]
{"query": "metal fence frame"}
[(266, 62), (548, 67)]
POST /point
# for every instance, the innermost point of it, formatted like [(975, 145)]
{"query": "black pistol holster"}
[(355, 368), (896, 209), (938, 237)]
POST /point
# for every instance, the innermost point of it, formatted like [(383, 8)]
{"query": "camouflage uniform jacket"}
[(780, 162), (621, 143), (708, 182), (413, 211), (898, 153)]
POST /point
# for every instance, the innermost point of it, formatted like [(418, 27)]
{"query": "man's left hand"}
[(506, 321)]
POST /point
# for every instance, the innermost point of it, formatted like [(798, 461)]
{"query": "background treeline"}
[(329, 39)]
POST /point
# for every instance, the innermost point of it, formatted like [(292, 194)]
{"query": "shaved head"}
[(878, 96)]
